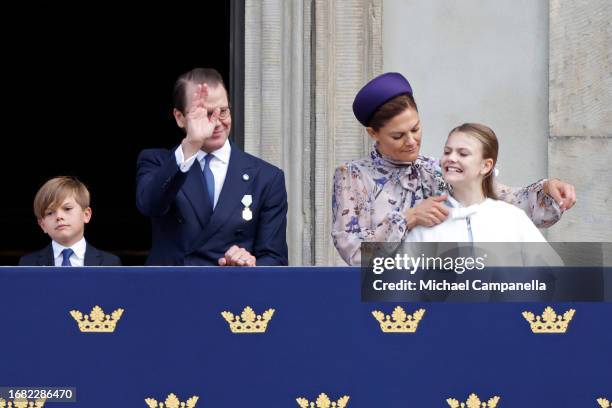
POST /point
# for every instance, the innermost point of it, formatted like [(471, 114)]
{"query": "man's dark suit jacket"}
[(186, 230), (93, 257)]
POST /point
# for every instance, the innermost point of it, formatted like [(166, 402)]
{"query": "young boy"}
[(62, 209)]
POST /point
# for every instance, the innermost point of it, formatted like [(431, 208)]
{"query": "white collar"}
[(78, 248), (459, 211), (223, 153)]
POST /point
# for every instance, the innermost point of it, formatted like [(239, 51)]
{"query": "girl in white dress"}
[(468, 164)]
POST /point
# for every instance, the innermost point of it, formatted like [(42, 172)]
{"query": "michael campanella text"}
[(444, 285)]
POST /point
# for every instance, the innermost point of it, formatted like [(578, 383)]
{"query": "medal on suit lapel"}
[(247, 215), (247, 200)]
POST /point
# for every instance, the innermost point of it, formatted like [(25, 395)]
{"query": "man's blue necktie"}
[(210, 179), (66, 254)]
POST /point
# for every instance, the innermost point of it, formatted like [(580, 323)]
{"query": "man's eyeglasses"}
[(224, 112)]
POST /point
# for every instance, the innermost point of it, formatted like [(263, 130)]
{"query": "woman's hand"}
[(428, 213), (563, 193)]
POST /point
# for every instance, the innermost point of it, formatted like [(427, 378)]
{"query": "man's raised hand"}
[(199, 126)]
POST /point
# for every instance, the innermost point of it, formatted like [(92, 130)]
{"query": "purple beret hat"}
[(375, 93)]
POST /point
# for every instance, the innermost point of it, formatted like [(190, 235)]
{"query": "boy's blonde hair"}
[(53, 193)]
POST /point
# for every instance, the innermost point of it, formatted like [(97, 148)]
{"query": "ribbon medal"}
[(247, 214)]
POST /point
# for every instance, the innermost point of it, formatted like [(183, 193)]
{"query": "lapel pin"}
[(245, 177)]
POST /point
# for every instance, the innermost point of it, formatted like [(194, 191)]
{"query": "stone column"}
[(304, 62), (278, 105), (348, 52), (580, 105)]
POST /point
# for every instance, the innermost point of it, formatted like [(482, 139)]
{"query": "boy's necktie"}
[(66, 254), (210, 179)]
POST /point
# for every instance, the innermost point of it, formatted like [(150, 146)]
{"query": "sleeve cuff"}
[(184, 165)]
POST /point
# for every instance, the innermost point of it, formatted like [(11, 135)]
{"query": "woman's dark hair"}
[(490, 148), (208, 76), (390, 109)]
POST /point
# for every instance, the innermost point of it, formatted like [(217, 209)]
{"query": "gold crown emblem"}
[(399, 321), (604, 403), (172, 402), (248, 321), (549, 322), (22, 403), (323, 401), (97, 321), (473, 402)]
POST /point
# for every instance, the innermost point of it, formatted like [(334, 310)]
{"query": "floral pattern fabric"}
[(371, 197)]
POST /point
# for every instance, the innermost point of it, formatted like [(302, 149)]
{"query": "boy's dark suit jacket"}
[(186, 230), (93, 257)]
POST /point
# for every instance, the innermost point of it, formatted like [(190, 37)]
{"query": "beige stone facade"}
[(305, 60)]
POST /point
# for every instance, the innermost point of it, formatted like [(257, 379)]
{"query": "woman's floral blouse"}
[(371, 196)]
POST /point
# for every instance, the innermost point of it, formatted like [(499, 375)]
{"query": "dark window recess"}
[(86, 87)]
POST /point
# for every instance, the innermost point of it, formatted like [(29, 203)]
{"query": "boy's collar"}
[(79, 248)]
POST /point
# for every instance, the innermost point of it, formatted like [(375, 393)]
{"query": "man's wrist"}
[(189, 149)]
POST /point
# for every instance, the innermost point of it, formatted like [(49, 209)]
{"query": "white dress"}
[(490, 223)]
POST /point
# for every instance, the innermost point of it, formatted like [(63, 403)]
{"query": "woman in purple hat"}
[(382, 197)]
